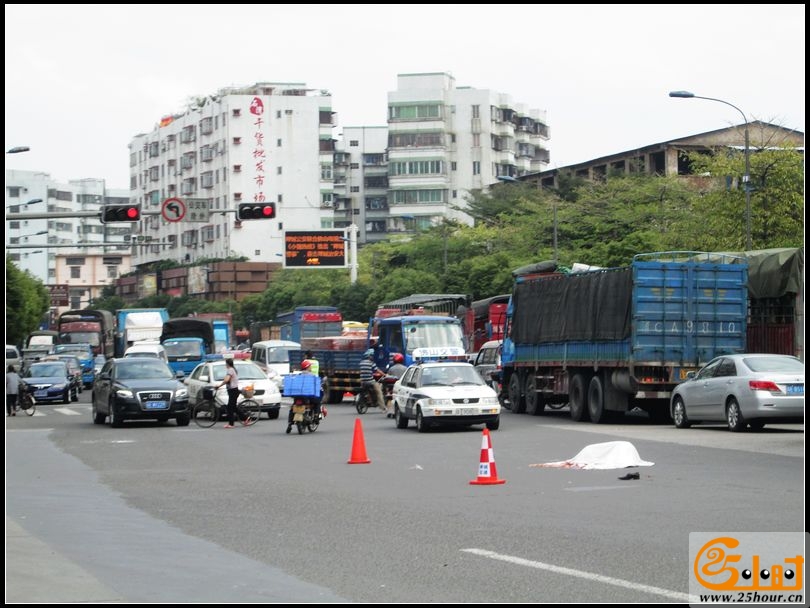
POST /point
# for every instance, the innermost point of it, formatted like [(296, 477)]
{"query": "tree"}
[(27, 302)]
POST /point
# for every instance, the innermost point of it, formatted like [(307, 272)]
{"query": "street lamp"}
[(747, 175)]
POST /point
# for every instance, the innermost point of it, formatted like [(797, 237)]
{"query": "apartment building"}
[(445, 141), (49, 222), (268, 142)]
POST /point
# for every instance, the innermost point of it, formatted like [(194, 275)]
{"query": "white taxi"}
[(444, 393)]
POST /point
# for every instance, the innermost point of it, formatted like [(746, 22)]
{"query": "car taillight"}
[(763, 385)]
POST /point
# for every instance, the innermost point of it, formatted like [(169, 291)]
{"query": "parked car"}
[(13, 357), (740, 390), (211, 373), (75, 367), (50, 381), (488, 360), (444, 393), (138, 388)]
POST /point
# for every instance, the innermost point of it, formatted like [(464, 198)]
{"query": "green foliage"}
[(27, 302)]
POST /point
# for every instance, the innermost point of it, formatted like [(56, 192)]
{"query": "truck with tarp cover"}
[(608, 340)]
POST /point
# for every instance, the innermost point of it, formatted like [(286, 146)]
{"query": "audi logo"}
[(155, 396)]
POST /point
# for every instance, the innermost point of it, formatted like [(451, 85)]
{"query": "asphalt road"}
[(159, 513)]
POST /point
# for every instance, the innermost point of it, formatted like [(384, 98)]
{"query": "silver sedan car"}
[(742, 390)]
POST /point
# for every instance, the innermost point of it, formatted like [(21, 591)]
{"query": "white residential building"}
[(361, 182), (445, 141), (269, 142), (47, 220)]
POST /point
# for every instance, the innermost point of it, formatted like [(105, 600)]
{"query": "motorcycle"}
[(364, 400), (304, 416)]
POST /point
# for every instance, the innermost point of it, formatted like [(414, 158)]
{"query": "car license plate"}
[(468, 411), (156, 405), (40, 394), (795, 389)]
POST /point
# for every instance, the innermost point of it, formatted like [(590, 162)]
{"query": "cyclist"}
[(395, 370), (231, 380), (368, 379), (314, 366), (306, 368)]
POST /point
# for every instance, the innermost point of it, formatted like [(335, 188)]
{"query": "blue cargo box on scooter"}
[(302, 385)]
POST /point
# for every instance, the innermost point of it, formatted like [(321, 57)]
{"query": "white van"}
[(148, 348), (273, 357), (13, 357)]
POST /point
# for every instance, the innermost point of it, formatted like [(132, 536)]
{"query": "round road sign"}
[(173, 210)]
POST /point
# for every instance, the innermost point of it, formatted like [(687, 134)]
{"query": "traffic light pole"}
[(66, 214)]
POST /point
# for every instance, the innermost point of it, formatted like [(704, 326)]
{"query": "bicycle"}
[(27, 403), (207, 412)]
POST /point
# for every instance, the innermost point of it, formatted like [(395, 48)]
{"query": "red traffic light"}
[(256, 211), (120, 213)]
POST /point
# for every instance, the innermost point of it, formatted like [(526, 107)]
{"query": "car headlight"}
[(59, 387), (124, 393), (181, 393), (489, 401)]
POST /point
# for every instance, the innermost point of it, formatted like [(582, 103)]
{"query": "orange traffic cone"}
[(487, 473), (358, 445)]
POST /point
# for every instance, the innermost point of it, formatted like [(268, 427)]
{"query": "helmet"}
[(305, 364), (369, 353), (398, 358)]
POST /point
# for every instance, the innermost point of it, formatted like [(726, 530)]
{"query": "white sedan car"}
[(211, 373), (445, 393)]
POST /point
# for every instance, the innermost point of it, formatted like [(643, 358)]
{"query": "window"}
[(112, 272), (75, 272), (453, 165), (14, 192), (354, 166), (476, 111), (74, 262), (354, 143), (326, 171), (355, 188), (279, 198), (278, 170), (476, 167), (278, 142), (236, 112), (476, 140)]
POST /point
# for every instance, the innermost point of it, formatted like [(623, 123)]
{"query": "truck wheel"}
[(577, 398), (518, 404), (596, 400), (535, 404)]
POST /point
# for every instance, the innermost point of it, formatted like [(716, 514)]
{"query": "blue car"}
[(86, 357), (50, 381)]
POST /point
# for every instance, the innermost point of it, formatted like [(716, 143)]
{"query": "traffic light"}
[(120, 213), (256, 211)]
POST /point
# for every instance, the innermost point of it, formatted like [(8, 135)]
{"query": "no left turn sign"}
[(173, 210)]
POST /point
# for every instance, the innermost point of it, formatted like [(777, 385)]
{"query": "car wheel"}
[(736, 421), (421, 425), (66, 397), (577, 398), (402, 421), (494, 425), (116, 417), (679, 414), (98, 417), (183, 419), (273, 414)]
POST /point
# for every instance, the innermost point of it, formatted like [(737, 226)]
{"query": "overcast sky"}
[(82, 80)]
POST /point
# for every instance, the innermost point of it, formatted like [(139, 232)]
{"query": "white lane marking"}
[(67, 411), (591, 576)]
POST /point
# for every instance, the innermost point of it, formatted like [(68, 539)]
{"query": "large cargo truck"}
[(135, 324), (606, 341), (417, 337), (309, 322), (88, 326), (188, 342)]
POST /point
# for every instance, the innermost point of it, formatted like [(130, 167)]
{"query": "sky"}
[(83, 80)]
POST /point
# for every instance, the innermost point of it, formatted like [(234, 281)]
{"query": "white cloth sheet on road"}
[(609, 455)]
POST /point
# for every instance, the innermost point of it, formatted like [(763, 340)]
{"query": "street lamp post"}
[(747, 175)]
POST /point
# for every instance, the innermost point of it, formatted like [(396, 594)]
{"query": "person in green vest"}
[(314, 366)]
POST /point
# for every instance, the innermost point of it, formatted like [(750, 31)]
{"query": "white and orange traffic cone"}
[(487, 473)]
